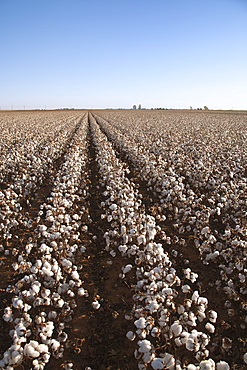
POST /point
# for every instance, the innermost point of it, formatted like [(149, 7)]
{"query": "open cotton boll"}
[(144, 346), (207, 365), (147, 357), (127, 268), (96, 304), (157, 363), (130, 335), (42, 348), (153, 306), (222, 365), (186, 288), (17, 303), (81, 291), (192, 367), (212, 315), (30, 349), (210, 327), (245, 358), (140, 323), (176, 329), (54, 344)]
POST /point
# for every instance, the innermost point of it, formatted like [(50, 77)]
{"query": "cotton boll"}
[(42, 348), (210, 327), (176, 329), (207, 365), (186, 288), (191, 367), (144, 346), (212, 315), (54, 344), (222, 365), (153, 306), (96, 304), (30, 350), (245, 358), (17, 303), (127, 268), (8, 316), (130, 335), (68, 366), (140, 323), (81, 292), (157, 363), (147, 357), (123, 248), (52, 315), (155, 332), (75, 275)]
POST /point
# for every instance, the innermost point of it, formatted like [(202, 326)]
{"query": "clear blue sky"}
[(116, 53)]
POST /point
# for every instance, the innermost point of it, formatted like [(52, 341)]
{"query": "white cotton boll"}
[(178, 342), (16, 358), (141, 333), (46, 357), (147, 357), (75, 275), (127, 268), (42, 228), (83, 249), (141, 366), (190, 344), (245, 358), (144, 346), (17, 303), (157, 363), (212, 315), (60, 303), (113, 253), (153, 306), (186, 288), (155, 332), (195, 296), (210, 327), (205, 231), (130, 335), (222, 365), (54, 344), (96, 304), (15, 266), (68, 366), (42, 348), (140, 323), (81, 292), (141, 239), (207, 365), (176, 329), (30, 350), (180, 309), (113, 207), (52, 315), (123, 248), (191, 367)]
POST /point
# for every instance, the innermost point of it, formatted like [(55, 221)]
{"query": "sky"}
[(117, 53)]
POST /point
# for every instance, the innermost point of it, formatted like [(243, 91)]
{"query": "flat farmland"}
[(123, 240)]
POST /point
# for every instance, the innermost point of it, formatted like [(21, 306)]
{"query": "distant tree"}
[(139, 106), (191, 108), (134, 106), (205, 107)]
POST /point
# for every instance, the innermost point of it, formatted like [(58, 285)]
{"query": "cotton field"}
[(123, 240)]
